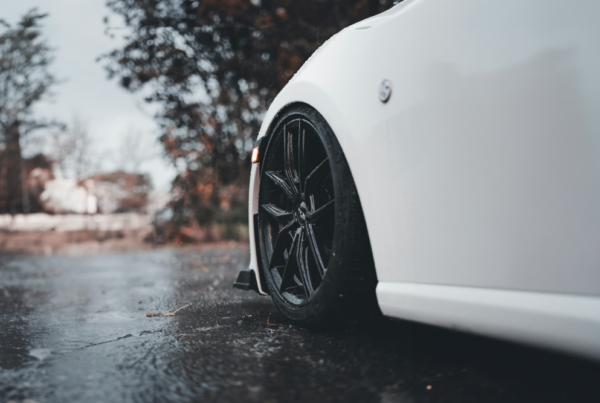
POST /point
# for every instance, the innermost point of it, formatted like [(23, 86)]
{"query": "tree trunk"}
[(14, 165)]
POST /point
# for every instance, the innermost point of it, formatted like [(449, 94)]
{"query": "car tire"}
[(315, 249)]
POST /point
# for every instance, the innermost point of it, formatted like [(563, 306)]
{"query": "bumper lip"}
[(246, 280)]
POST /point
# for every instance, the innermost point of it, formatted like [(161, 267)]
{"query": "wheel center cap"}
[(302, 211)]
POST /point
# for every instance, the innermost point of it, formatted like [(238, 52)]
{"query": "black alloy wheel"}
[(315, 250)]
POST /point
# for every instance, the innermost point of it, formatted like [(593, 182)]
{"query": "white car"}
[(442, 159)]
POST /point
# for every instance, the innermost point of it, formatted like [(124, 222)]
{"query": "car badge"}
[(385, 91)]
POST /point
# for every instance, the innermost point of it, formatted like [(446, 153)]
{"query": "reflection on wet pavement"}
[(74, 329)]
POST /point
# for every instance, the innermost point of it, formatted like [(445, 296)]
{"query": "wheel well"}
[(263, 143)]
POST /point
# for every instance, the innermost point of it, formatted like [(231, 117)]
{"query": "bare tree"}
[(61, 150), (134, 151), (74, 151), (84, 161)]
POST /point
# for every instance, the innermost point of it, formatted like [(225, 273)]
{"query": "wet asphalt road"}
[(73, 329)]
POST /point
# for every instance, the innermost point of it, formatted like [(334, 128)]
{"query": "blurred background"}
[(130, 123)]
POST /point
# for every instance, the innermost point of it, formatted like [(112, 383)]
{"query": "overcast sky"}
[(75, 29)]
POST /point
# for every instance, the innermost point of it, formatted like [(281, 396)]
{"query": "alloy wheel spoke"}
[(314, 248), (289, 161), (281, 183), (318, 213), (320, 170), (281, 215), (303, 268), (280, 243), (291, 266), (301, 159)]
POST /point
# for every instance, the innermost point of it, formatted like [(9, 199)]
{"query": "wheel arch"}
[(331, 109)]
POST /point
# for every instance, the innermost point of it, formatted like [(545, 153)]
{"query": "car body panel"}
[(483, 169)]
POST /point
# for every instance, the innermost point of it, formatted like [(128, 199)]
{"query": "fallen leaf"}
[(269, 323), (149, 315)]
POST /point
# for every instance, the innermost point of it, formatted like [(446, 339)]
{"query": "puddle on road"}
[(40, 353), (75, 329)]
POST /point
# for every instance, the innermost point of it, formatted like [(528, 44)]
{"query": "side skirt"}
[(569, 323)]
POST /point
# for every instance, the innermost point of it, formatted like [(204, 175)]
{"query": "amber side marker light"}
[(255, 155)]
